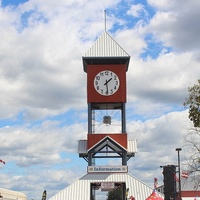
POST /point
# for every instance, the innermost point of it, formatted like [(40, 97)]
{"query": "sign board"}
[(107, 186), (107, 169)]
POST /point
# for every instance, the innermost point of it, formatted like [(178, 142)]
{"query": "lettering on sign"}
[(107, 169)]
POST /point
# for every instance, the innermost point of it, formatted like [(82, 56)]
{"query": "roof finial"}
[(105, 18)]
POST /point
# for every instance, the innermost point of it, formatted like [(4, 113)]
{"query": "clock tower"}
[(106, 64)]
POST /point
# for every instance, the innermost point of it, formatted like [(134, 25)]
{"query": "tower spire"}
[(105, 18)]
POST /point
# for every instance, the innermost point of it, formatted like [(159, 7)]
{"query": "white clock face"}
[(106, 83)]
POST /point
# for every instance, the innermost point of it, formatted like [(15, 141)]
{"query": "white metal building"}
[(6, 194), (80, 189)]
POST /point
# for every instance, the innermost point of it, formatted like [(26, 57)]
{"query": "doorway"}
[(108, 191)]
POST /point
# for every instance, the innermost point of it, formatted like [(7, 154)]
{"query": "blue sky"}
[(43, 115)]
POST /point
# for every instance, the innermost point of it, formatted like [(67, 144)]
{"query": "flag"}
[(3, 162), (184, 175), (155, 183), (176, 178)]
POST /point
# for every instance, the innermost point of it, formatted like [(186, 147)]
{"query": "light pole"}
[(179, 171)]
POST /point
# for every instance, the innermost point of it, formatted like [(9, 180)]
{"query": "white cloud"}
[(157, 140), (134, 43), (42, 60), (161, 5), (136, 10), (176, 25), (162, 80), (42, 146), (41, 63)]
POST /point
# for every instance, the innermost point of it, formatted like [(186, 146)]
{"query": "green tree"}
[(115, 194), (193, 103), (193, 137)]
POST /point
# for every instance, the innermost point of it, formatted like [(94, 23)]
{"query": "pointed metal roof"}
[(131, 148), (109, 142), (105, 51), (106, 46)]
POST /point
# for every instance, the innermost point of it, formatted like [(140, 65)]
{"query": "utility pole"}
[(179, 171)]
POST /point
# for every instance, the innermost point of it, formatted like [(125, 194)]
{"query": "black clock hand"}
[(106, 84), (107, 81)]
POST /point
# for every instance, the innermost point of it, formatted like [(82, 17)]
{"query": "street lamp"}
[(179, 171)]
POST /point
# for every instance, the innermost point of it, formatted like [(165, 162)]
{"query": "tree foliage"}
[(115, 194), (193, 137), (193, 154), (193, 103)]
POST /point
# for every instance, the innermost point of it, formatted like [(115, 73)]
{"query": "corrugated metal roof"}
[(132, 146), (82, 146), (106, 46), (81, 188)]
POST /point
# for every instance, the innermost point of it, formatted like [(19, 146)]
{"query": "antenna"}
[(105, 18)]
